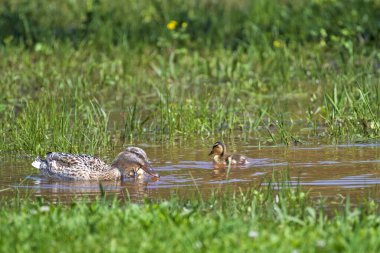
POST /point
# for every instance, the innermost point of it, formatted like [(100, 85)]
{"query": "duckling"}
[(222, 158), (133, 162)]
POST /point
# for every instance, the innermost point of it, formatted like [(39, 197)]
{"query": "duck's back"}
[(73, 166), (236, 159)]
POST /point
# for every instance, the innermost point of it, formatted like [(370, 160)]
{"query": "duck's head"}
[(134, 162), (218, 149)]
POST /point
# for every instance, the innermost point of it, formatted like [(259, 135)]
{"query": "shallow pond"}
[(325, 170)]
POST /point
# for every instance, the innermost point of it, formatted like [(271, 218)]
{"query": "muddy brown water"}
[(324, 170)]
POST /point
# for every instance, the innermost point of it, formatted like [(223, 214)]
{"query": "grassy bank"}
[(80, 98), (83, 80), (251, 221)]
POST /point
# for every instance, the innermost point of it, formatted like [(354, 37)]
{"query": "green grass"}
[(257, 220), (82, 80), (256, 23), (99, 101)]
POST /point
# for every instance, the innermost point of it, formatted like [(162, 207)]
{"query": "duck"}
[(220, 156), (132, 162)]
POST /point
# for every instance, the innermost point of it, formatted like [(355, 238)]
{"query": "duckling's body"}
[(221, 157), (133, 162)]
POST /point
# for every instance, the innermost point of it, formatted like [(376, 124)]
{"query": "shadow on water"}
[(324, 170)]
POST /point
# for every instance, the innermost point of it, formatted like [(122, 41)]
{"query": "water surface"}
[(324, 170)]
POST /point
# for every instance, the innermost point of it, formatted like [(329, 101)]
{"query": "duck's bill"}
[(148, 169), (212, 152)]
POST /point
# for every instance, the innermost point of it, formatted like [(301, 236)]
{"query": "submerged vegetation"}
[(92, 74)]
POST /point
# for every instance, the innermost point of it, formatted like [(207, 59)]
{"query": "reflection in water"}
[(324, 170), (224, 172), (61, 189)]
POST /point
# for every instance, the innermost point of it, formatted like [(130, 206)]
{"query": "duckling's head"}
[(218, 149), (134, 161)]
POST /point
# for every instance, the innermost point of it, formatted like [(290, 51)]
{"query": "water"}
[(185, 168)]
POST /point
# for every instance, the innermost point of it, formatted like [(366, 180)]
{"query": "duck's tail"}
[(38, 163)]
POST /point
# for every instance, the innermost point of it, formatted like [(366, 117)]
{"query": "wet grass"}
[(261, 220), (83, 80), (77, 102)]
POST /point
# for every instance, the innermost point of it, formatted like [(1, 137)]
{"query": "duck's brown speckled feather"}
[(236, 159), (132, 162), (77, 166)]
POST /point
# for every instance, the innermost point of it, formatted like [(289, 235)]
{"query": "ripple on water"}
[(324, 169)]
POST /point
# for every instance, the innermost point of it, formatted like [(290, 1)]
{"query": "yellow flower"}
[(172, 25), (277, 43)]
